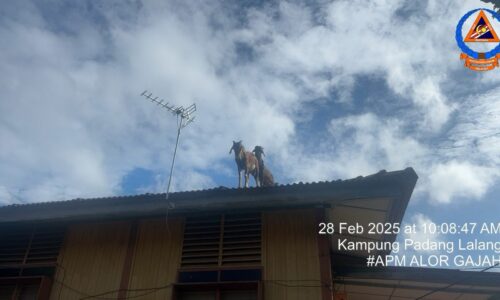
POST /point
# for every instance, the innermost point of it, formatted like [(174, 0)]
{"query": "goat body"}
[(247, 162), (265, 176)]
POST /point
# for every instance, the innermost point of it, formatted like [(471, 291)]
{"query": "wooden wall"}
[(290, 255), (157, 257), (91, 260), (93, 257)]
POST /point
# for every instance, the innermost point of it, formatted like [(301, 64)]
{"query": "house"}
[(224, 244)]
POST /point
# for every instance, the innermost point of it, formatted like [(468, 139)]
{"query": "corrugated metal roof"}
[(202, 191), (215, 198)]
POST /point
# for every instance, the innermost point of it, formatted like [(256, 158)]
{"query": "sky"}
[(330, 89)]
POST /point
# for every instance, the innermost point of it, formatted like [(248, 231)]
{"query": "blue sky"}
[(330, 89)]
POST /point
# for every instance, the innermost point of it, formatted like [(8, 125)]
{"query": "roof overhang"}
[(364, 192)]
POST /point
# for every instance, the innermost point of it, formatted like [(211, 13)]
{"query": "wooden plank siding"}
[(94, 255), (157, 258), (290, 255), (91, 260)]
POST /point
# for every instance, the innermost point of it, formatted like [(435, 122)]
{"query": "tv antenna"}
[(184, 118)]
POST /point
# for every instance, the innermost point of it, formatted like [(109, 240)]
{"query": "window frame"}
[(218, 287), (44, 284)]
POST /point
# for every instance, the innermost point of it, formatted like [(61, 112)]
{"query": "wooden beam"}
[(45, 287), (129, 256), (324, 258)]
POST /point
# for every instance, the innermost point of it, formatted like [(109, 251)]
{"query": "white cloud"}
[(73, 124), (419, 236), (476, 134), (80, 125), (6, 197), (354, 145), (372, 144), (455, 179), (467, 159), (429, 98), (360, 37)]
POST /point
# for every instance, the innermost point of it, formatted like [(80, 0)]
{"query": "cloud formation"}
[(283, 75)]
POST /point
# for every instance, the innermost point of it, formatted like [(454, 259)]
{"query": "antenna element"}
[(184, 118)]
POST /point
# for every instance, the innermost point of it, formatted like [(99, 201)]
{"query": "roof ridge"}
[(209, 190)]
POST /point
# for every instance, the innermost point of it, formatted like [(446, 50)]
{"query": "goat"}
[(245, 161), (265, 176)]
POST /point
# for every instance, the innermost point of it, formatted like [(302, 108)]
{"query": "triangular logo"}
[(481, 30)]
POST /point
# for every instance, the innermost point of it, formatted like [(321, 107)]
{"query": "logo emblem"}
[(481, 31)]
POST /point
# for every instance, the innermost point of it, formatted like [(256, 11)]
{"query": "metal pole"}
[(173, 158)]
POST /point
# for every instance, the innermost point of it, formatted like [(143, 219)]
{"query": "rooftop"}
[(396, 184)]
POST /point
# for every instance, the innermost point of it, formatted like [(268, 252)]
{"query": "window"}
[(30, 244), (28, 255), (198, 296), (21, 292), (32, 288), (221, 257), (28, 292), (6, 291), (238, 295), (230, 275), (222, 240), (219, 295)]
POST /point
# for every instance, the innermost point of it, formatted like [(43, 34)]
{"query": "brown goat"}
[(245, 161), (265, 176)]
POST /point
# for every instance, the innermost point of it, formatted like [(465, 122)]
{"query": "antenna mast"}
[(184, 118)]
